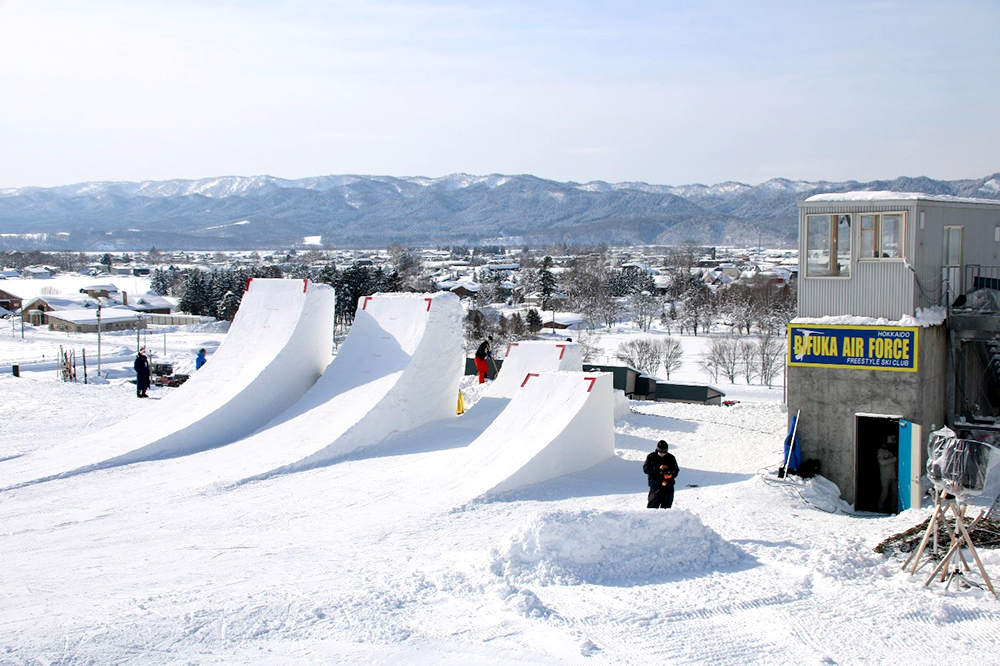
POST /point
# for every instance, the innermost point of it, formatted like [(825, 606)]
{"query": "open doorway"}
[(871, 474)]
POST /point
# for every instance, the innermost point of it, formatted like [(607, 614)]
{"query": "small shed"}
[(625, 379), (494, 367), (701, 394), (563, 320)]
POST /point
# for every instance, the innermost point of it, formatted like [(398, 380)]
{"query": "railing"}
[(960, 280)]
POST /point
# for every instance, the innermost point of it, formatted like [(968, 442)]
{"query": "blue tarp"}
[(795, 461)]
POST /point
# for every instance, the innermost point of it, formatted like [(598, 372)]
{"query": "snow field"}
[(372, 559)]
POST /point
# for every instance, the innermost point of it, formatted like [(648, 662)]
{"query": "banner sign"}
[(865, 347)]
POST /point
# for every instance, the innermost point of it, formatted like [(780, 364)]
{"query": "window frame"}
[(948, 245), (878, 235), (832, 246)]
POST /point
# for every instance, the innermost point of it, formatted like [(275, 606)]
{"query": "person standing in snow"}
[(200, 361), (887, 473), (482, 354), (661, 470), (142, 374)]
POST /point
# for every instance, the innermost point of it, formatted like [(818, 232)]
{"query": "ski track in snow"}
[(366, 561)]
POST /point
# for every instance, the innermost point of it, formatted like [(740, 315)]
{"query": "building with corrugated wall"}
[(873, 358)]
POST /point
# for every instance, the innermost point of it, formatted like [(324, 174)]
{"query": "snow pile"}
[(824, 494), (925, 317), (622, 408), (609, 547)]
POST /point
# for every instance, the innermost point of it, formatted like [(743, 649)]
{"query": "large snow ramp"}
[(521, 358), (278, 346), (458, 432), (398, 369), (557, 423)]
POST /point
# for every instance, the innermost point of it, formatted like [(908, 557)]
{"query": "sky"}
[(669, 93)]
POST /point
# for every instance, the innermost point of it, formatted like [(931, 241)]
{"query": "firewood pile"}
[(985, 534)]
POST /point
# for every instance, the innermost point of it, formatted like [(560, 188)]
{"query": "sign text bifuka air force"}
[(865, 347)]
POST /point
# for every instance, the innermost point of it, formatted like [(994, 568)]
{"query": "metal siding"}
[(875, 288)]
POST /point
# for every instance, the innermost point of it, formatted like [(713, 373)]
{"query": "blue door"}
[(908, 465)]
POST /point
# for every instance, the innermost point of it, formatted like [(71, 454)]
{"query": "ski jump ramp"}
[(521, 358), (278, 346), (557, 423), (398, 369)]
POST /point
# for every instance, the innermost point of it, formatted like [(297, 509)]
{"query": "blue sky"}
[(662, 92)]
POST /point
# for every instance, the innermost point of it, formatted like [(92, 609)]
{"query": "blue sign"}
[(864, 347)]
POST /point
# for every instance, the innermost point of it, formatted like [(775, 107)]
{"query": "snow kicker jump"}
[(398, 369), (556, 423), (277, 347), (521, 358)]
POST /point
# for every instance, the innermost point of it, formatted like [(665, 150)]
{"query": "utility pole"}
[(98, 339)]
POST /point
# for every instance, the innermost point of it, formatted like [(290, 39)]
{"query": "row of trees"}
[(218, 293), (752, 357), (760, 357)]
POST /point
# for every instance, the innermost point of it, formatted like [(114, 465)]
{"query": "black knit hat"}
[(662, 445)]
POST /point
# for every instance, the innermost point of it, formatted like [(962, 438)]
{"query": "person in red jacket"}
[(661, 469), (482, 354)]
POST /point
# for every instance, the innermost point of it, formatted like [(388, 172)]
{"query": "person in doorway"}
[(661, 470), (887, 474), (142, 374), (200, 360), (483, 354)]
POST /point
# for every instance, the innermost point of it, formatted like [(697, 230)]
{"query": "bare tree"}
[(723, 358), (589, 345), (643, 306), (748, 359), (639, 353), (671, 353), (771, 356)]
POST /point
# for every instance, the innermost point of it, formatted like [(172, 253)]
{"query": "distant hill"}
[(372, 211)]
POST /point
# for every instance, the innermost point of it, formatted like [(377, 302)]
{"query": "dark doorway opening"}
[(870, 433)]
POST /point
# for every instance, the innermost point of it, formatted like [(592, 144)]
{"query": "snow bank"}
[(925, 317), (610, 548), (622, 408)]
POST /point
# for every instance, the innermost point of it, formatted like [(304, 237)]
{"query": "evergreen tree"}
[(195, 299), (160, 282), (229, 305), (534, 321), (546, 282)]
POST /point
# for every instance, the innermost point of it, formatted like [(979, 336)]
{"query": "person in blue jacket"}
[(200, 361)]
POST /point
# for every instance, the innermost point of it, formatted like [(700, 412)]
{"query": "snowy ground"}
[(367, 561)]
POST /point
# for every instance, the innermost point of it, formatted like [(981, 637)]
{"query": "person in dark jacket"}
[(661, 469), (482, 354), (142, 375), (200, 360)]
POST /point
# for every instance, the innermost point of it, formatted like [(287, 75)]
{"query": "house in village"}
[(9, 301), (92, 319)]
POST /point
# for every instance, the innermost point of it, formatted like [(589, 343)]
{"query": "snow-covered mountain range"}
[(366, 211)]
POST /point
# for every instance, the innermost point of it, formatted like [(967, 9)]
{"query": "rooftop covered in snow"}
[(883, 195)]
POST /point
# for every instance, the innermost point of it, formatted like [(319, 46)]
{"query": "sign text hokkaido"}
[(865, 347)]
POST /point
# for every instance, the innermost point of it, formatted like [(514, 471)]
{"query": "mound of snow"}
[(622, 408), (609, 547)]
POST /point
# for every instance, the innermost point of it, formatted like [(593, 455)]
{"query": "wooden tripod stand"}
[(943, 504)]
